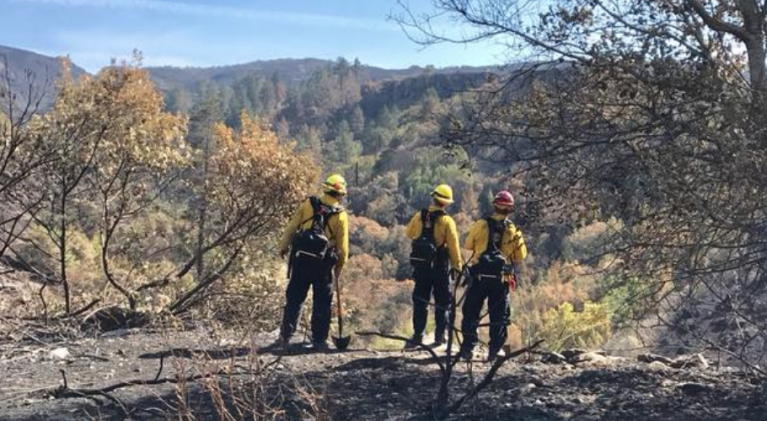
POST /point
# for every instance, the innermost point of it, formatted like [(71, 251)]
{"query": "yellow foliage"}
[(371, 302), (115, 122), (252, 295), (564, 328), (251, 172), (562, 288)]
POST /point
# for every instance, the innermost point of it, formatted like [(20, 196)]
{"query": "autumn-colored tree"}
[(74, 131), (142, 154), (115, 150), (253, 183)]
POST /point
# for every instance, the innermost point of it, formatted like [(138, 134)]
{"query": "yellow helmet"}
[(443, 194), (335, 184)]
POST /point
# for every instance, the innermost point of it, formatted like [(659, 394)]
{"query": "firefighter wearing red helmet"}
[(497, 245)]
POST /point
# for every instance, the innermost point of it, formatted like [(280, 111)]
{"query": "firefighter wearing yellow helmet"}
[(434, 251), (317, 239)]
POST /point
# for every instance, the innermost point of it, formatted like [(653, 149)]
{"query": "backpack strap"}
[(429, 221), (323, 213), (317, 214), (495, 227), (424, 218)]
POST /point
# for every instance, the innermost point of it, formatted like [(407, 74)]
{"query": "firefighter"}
[(435, 250), (497, 246), (317, 239)]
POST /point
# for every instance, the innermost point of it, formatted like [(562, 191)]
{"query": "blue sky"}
[(207, 32)]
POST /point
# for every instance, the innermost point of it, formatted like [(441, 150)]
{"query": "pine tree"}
[(357, 119)]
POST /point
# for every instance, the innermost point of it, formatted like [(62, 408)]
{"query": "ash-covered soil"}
[(354, 385)]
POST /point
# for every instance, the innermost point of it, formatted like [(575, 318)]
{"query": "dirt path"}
[(356, 385)]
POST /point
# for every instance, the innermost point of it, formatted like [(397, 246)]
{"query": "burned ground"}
[(354, 385)]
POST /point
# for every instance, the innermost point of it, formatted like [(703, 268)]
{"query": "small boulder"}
[(691, 361), (657, 366), (553, 358), (590, 357), (116, 318), (693, 389), (652, 358), (571, 354), (59, 354)]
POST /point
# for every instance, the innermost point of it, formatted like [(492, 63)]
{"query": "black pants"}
[(427, 282), (497, 294), (321, 281)]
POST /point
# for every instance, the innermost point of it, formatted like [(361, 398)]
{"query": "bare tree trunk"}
[(203, 211), (753, 24), (757, 70), (63, 251)]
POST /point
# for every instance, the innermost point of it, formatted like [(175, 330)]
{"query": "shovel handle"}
[(340, 308)]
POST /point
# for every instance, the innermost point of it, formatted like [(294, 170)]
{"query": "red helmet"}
[(503, 199)]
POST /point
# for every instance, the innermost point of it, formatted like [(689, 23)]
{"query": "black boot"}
[(413, 343), (466, 354)]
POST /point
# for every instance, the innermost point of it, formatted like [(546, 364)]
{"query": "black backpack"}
[(492, 263), (424, 252), (311, 245)]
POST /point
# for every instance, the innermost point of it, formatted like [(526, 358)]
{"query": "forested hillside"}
[(381, 129), (386, 138)]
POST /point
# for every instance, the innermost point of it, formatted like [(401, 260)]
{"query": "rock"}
[(114, 318), (652, 358), (59, 354), (685, 361), (554, 358), (691, 361), (574, 356), (570, 354), (666, 383), (658, 366), (527, 388), (590, 357), (693, 388)]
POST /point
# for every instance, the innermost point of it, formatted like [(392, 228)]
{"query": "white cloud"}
[(93, 49), (93, 61), (230, 12)]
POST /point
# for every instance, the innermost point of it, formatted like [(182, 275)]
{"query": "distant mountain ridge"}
[(290, 71), (27, 68)]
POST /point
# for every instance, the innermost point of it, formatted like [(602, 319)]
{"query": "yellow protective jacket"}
[(445, 233), (512, 243), (337, 228)]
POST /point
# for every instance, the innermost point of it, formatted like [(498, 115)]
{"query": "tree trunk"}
[(203, 211), (757, 71), (63, 253)]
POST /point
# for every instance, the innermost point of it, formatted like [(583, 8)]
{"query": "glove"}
[(513, 282)]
